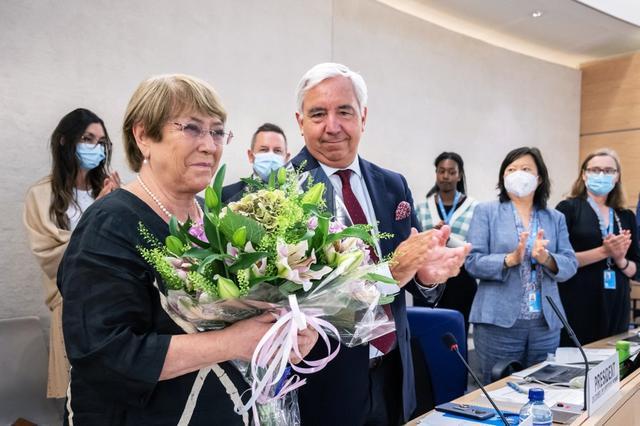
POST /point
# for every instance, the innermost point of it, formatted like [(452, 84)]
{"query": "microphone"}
[(573, 337), (451, 343)]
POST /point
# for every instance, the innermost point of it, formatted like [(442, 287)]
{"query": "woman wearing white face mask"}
[(520, 251), (81, 153), (604, 235)]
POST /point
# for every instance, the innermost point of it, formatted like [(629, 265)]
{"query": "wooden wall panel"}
[(627, 145), (611, 95)]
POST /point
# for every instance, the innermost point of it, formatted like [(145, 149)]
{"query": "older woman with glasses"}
[(603, 233), (131, 363), (80, 154)]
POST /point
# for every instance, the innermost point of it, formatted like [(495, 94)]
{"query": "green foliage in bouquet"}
[(276, 233)]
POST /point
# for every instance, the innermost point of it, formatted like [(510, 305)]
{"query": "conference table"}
[(623, 409)]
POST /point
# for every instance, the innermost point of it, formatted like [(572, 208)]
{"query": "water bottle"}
[(537, 408)]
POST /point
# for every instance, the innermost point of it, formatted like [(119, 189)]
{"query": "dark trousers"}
[(385, 391)]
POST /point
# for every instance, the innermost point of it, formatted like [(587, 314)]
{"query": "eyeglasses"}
[(220, 137), (93, 141), (598, 170)]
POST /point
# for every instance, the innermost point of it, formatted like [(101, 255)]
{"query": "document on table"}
[(532, 370), (573, 356)]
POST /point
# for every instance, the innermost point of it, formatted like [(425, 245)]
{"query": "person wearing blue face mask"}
[(89, 155), (604, 235), (268, 153), (81, 154)]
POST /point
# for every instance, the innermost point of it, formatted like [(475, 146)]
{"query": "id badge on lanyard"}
[(534, 302), (534, 297), (609, 278)]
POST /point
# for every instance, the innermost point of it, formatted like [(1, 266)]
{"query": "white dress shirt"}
[(359, 188)]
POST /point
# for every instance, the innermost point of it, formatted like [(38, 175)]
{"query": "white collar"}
[(354, 167)]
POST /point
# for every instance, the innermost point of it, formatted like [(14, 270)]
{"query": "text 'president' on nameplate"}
[(603, 383)]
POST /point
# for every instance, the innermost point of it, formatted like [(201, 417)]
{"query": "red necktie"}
[(382, 343)]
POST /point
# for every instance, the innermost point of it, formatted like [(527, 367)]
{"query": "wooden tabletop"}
[(627, 397)]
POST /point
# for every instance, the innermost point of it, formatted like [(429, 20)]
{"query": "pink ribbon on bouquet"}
[(271, 355)]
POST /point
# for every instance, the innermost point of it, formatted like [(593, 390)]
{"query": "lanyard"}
[(604, 230), (533, 232), (533, 229), (447, 217)]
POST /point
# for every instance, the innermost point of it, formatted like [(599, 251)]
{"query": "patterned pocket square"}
[(403, 210)]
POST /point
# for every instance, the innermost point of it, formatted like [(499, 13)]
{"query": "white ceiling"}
[(626, 10), (568, 32)]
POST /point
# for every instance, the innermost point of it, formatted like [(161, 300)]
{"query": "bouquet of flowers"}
[(277, 250)]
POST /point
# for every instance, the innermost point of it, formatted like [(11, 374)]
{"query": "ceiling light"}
[(536, 14)]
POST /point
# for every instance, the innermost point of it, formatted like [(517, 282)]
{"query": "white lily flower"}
[(294, 266)]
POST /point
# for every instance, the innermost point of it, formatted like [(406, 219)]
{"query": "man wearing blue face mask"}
[(268, 152)]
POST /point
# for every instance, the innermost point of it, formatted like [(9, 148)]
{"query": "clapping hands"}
[(538, 251), (616, 246), (425, 255)]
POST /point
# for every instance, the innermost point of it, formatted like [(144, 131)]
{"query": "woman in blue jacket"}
[(520, 251)]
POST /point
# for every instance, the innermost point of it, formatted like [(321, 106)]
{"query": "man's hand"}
[(426, 255), (442, 262), (411, 254)]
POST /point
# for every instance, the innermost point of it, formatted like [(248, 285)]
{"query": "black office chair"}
[(505, 368)]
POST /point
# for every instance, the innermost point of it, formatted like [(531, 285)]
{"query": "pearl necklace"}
[(159, 203)]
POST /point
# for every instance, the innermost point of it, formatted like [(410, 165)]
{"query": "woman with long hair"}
[(447, 203), (81, 154), (604, 235)]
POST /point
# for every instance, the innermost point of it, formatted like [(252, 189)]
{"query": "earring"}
[(145, 161)]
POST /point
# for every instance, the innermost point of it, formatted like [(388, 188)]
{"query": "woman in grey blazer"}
[(520, 252)]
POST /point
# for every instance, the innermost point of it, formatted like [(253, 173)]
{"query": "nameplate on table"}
[(603, 382)]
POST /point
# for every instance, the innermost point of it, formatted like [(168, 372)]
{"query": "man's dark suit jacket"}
[(233, 192), (337, 394)]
